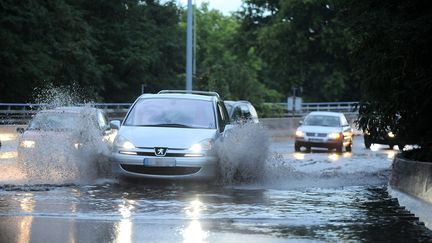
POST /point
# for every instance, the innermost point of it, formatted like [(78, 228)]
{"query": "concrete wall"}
[(412, 177)]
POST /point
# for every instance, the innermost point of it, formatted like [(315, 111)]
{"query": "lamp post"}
[(189, 48)]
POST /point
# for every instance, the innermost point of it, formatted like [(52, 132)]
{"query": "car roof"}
[(179, 96), (237, 102), (326, 113)]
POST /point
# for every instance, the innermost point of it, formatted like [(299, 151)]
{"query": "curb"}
[(412, 177)]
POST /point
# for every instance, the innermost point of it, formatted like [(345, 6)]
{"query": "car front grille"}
[(166, 155), (312, 134), (160, 170)]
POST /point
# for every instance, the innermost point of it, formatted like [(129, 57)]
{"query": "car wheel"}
[(348, 148), (296, 147), (308, 149), (339, 148), (401, 146), (367, 143)]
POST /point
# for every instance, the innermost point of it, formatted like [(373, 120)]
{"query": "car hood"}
[(319, 129), (165, 136), (38, 135)]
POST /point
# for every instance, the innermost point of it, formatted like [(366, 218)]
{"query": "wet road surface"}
[(303, 197)]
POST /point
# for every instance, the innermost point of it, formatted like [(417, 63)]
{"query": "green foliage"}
[(303, 44), (220, 66), (44, 41), (391, 54), (108, 47)]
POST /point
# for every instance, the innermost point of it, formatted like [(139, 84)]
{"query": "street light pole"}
[(189, 48)]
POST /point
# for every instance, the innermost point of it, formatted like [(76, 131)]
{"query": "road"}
[(300, 197)]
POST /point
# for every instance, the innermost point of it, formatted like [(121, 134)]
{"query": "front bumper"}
[(185, 168), (321, 143)]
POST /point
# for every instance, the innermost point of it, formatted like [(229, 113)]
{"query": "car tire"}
[(349, 147), (339, 148), (401, 146), (308, 149), (391, 146), (367, 143), (297, 147)]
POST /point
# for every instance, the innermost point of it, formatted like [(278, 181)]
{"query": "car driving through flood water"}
[(63, 139), (170, 135)]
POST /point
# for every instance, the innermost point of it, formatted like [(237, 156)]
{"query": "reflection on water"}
[(27, 205), (391, 154), (334, 156), (299, 156), (196, 214), (7, 136), (124, 231), (124, 227), (194, 233), (8, 155)]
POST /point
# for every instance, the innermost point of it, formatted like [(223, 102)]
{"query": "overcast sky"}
[(225, 6)]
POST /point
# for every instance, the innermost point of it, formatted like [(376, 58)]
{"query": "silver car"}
[(59, 134), (322, 129), (241, 111), (170, 135)]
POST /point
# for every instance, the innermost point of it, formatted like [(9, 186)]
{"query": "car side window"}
[(344, 121), (222, 116), (102, 120), (237, 114), (245, 112)]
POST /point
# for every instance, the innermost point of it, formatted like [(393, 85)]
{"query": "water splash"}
[(242, 153), (56, 96), (75, 152)]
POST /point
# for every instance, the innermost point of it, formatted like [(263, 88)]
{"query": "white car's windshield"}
[(166, 112), (54, 121), (322, 120)]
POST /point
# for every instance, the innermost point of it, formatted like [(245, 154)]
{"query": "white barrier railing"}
[(16, 113)]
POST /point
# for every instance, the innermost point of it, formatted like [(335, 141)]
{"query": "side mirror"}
[(20, 130), (115, 124)]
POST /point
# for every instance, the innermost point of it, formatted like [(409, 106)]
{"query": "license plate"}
[(315, 140), (164, 162)]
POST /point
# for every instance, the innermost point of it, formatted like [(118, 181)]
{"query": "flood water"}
[(301, 197)]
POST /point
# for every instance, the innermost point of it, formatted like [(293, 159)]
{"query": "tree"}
[(220, 66), (303, 44), (139, 42), (391, 56), (44, 41)]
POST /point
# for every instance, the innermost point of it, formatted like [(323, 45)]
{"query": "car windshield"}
[(54, 121), (322, 120), (170, 112)]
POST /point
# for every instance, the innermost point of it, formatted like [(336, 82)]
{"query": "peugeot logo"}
[(160, 151)]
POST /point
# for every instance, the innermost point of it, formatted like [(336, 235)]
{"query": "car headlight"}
[(334, 135), (201, 147), (299, 134), (122, 143), (391, 135), (27, 144)]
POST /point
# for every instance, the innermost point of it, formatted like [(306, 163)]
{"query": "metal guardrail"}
[(16, 113), (306, 107)]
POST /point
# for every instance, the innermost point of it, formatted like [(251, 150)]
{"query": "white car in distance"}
[(321, 129)]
